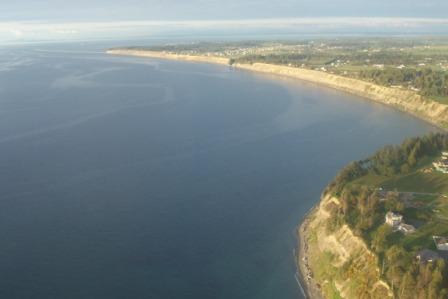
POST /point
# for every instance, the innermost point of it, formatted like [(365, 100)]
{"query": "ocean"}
[(127, 177)]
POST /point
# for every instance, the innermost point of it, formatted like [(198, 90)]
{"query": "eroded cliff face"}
[(339, 262), (401, 99)]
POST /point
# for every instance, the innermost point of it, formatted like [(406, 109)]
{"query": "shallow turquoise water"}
[(137, 178)]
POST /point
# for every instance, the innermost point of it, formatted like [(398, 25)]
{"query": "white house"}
[(393, 219)]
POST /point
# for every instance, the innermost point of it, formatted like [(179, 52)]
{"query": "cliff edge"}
[(336, 263)]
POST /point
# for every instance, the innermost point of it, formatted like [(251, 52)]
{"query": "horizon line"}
[(21, 30)]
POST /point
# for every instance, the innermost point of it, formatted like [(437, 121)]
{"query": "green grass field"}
[(416, 181), (434, 182)]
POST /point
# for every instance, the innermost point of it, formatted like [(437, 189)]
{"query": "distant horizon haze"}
[(28, 31), (30, 20)]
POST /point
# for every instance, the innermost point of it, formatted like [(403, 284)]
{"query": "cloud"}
[(17, 33), (129, 29)]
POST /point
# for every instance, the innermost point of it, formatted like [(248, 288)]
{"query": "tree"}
[(379, 240)]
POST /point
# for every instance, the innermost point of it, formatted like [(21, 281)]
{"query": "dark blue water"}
[(136, 178)]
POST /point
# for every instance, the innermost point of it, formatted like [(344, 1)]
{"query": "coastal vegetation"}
[(399, 179), (426, 81)]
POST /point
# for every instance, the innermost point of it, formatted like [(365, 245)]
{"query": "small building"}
[(427, 256), (441, 243), (393, 219), (441, 165), (406, 228)]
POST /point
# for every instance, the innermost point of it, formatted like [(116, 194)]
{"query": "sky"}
[(112, 10), (39, 19)]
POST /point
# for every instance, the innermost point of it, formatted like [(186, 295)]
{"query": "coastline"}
[(404, 100), (169, 56)]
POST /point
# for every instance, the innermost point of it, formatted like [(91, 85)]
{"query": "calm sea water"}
[(138, 178)]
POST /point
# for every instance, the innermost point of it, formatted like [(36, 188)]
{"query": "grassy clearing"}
[(434, 182), (416, 181), (371, 180)]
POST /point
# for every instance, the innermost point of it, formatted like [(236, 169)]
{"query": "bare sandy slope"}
[(347, 251)]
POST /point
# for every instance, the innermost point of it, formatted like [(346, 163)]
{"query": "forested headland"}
[(398, 179)]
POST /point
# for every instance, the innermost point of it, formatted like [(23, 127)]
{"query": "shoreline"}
[(168, 56), (307, 285), (406, 101)]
